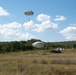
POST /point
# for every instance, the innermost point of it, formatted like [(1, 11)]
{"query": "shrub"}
[(43, 61), (35, 61)]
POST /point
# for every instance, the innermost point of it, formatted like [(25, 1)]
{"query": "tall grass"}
[(38, 63), (64, 61)]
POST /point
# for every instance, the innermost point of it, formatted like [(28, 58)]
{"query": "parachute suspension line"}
[(29, 19)]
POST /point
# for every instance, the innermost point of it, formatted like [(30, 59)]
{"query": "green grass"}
[(38, 63)]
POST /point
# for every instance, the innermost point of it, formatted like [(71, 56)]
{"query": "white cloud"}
[(60, 18), (69, 33), (11, 25), (29, 25), (13, 31), (24, 35), (10, 29), (45, 24), (17, 31), (6, 32), (43, 17), (3, 12)]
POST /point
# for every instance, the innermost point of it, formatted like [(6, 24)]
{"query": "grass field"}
[(38, 63)]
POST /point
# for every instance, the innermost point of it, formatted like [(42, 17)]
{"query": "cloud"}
[(8, 30), (3, 12), (13, 31), (69, 33), (24, 35), (43, 17), (11, 25), (45, 24), (16, 31), (29, 25), (60, 18)]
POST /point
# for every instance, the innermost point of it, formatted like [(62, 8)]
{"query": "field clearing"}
[(38, 63)]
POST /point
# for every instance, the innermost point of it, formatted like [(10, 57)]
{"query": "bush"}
[(35, 61), (43, 61)]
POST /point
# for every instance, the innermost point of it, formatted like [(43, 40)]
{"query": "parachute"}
[(38, 44), (29, 13)]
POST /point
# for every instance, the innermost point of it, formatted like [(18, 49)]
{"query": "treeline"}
[(65, 44), (27, 45), (17, 46)]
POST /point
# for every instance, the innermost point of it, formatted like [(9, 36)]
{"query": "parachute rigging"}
[(29, 13)]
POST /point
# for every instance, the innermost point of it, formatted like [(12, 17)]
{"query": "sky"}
[(52, 21)]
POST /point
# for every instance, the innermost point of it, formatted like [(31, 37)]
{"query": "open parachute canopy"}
[(38, 44), (28, 12)]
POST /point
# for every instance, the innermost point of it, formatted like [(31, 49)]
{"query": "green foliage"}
[(16, 46), (27, 45)]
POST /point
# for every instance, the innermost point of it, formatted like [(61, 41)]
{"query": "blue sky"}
[(53, 20)]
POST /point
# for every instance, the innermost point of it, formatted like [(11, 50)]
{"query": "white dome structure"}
[(38, 44)]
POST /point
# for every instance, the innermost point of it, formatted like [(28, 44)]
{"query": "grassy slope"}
[(38, 63)]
